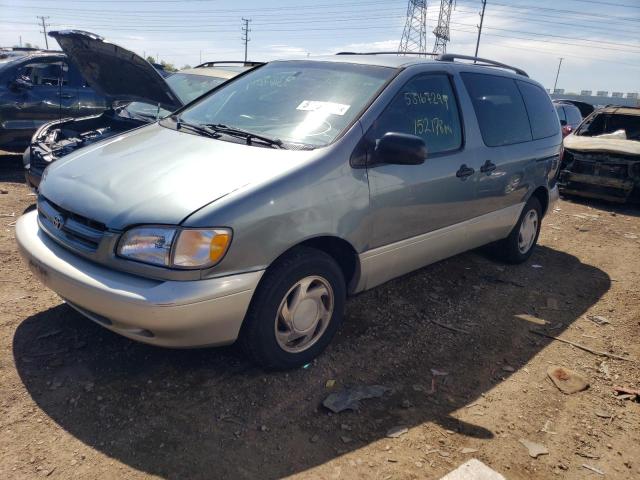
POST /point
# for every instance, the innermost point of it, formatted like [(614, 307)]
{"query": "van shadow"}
[(203, 413)]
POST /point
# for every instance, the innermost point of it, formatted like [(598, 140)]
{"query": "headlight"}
[(175, 247)]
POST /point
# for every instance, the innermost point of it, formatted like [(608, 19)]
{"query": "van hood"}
[(155, 175), (115, 72)]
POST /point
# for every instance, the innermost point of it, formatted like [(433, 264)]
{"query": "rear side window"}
[(499, 108), (574, 117), (542, 115), (560, 112), (426, 107)]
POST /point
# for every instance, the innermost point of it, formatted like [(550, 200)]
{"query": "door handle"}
[(66, 95), (488, 167), (464, 171)]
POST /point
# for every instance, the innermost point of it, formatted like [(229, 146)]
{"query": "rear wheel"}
[(519, 245), (296, 310)]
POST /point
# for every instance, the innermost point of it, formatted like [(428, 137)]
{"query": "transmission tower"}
[(441, 32), (414, 36)]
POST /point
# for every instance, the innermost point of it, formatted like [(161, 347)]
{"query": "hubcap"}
[(528, 231), (304, 314)]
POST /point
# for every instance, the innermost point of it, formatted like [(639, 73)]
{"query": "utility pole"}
[(484, 4), (20, 41), (245, 35), (44, 31), (555, 84)]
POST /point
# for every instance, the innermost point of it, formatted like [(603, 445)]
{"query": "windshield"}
[(298, 101), (187, 86), (606, 123)]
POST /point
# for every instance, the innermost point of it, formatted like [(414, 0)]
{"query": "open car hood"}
[(115, 72)]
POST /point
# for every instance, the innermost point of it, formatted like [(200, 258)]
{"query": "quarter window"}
[(542, 114), (426, 107), (499, 108)]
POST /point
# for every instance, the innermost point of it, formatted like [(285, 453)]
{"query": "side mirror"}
[(400, 149)]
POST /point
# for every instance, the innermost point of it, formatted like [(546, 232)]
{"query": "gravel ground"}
[(77, 401)]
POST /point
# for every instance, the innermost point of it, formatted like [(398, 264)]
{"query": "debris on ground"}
[(535, 449), (624, 393), (349, 398), (599, 320), (602, 414), (473, 470), (438, 373), (581, 347), (330, 383), (3, 191), (567, 380), (593, 469), (396, 432), (467, 450)]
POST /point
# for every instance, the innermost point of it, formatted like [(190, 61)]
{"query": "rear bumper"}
[(166, 313)]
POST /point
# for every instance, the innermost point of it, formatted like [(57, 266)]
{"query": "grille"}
[(69, 228)]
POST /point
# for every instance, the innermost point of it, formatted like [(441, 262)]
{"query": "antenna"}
[(414, 36)]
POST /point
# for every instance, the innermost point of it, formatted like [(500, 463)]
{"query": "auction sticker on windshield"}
[(328, 107)]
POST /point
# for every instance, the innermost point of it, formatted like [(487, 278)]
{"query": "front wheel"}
[(296, 310), (519, 245)]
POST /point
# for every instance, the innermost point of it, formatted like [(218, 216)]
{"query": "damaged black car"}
[(137, 92), (602, 158)]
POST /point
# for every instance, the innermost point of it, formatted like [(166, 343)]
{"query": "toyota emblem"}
[(58, 221)]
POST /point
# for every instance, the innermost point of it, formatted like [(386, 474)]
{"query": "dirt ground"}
[(77, 401)]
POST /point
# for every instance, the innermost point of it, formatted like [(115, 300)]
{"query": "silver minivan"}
[(253, 212)]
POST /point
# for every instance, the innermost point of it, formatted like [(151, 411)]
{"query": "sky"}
[(599, 40)]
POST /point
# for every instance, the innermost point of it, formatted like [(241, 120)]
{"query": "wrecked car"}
[(37, 87), (138, 93), (602, 158)]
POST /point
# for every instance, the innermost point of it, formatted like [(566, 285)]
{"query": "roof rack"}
[(388, 53), (450, 57), (446, 57), (232, 62)]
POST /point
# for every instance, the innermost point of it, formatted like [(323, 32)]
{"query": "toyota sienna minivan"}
[(252, 213)]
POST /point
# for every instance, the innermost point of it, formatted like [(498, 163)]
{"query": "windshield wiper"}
[(249, 136), (203, 130)]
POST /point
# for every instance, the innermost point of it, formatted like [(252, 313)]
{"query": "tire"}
[(512, 249), (303, 287)]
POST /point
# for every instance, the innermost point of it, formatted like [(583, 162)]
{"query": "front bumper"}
[(166, 313), (595, 186)]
